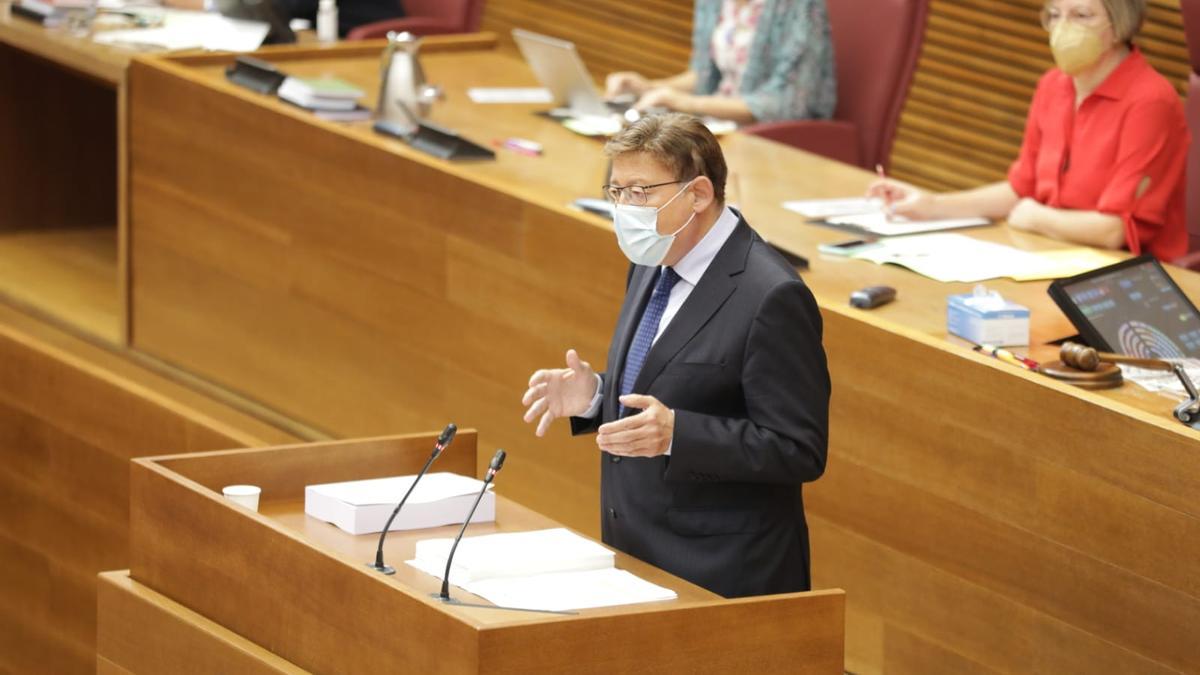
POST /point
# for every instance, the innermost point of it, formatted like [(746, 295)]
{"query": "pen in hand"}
[(886, 191)]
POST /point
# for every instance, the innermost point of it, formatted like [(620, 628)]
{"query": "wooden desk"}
[(978, 516), (59, 175), (71, 417), (246, 571)]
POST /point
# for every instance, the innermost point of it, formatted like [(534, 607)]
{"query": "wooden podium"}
[(215, 587)]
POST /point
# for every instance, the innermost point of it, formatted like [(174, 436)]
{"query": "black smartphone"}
[(845, 247)]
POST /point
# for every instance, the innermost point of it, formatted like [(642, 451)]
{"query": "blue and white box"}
[(986, 318)]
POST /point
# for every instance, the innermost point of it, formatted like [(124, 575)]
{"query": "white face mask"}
[(637, 231)]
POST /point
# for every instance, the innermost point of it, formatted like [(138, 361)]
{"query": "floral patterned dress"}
[(776, 55)]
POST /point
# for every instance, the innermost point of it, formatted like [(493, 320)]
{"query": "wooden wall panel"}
[(653, 37), (965, 115), (972, 548), (183, 642), (68, 428), (58, 167)]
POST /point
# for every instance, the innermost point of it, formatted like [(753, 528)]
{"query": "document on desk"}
[(829, 208), (192, 30), (1161, 382), (510, 95), (954, 257), (880, 224), (571, 590), (552, 569)]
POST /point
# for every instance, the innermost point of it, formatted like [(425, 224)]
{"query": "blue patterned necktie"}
[(647, 328)]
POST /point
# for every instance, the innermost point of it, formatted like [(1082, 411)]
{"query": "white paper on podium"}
[(512, 554), (551, 569), (568, 591), (432, 488)]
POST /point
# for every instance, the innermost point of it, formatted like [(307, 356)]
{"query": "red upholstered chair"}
[(426, 17), (876, 44), (1191, 29)]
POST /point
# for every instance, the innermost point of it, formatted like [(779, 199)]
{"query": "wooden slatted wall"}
[(653, 37), (964, 117)]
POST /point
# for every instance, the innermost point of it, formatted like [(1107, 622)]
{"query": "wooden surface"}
[(964, 118), (190, 544), (1062, 539), (184, 642), (66, 273), (415, 291), (443, 263), (71, 416), (104, 64), (58, 183)]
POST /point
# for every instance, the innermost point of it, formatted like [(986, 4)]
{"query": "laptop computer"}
[(557, 65)]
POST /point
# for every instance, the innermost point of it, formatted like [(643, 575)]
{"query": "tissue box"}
[(1001, 324)]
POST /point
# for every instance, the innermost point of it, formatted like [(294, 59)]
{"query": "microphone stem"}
[(388, 524), (445, 594)]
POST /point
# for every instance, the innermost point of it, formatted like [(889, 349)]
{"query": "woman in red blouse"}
[(1105, 144)]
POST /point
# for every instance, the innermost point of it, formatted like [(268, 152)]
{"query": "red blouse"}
[(1097, 158)]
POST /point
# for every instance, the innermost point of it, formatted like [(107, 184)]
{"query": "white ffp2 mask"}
[(637, 231)]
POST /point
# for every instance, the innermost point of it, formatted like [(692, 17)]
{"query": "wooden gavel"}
[(1084, 357)]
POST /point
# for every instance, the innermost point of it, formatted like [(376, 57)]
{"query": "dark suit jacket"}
[(743, 367)]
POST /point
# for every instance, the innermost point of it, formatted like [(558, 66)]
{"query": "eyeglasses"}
[(1082, 17), (634, 194)]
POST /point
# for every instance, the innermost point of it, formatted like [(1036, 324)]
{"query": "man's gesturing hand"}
[(646, 434), (559, 392)]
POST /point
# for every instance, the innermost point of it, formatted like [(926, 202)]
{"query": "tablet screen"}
[(1137, 309)]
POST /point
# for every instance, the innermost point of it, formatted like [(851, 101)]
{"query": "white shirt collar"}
[(693, 265)]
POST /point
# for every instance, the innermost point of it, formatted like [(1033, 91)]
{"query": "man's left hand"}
[(646, 434)]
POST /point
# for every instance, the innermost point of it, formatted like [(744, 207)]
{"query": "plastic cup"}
[(246, 495)]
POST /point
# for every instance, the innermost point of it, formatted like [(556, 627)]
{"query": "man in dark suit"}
[(715, 407)]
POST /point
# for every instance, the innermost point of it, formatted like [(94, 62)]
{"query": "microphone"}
[(497, 462), (442, 443)]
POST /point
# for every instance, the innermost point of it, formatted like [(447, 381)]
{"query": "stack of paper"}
[(512, 554), (954, 257), (544, 569), (363, 506), (882, 225), (827, 208), (866, 214)]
